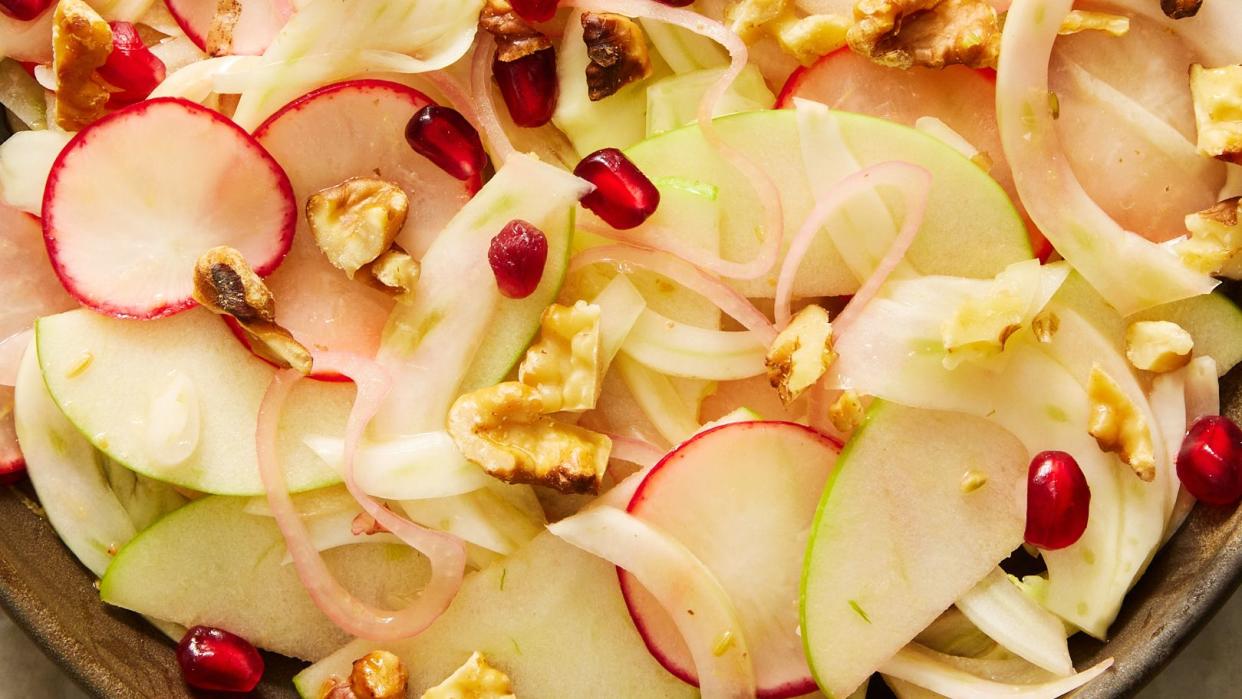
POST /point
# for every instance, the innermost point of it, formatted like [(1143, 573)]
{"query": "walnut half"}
[(931, 33), (801, 353), (515, 38), (563, 365), (617, 48), (1181, 9), (1217, 94), (1215, 239), (379, 675), (81, 42), (1118, 426), (356, 221), (225, 284), (475, 679)]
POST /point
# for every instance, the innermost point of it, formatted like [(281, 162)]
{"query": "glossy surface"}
[(1210, 461), (131, 66), (443, 136), (517, 255), (624, 197), (217, 660), (1058, 501), (24, 10), (536, 10), (529, 87)]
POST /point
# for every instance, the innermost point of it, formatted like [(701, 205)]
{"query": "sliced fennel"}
[(677, 349), (949, 676), (953, 634), (620, 305), (426, 465), (673, 102), (998, 608), (21, 95), (683, 51), (500, 517), (336, 530), (659, 399), (943, 132)]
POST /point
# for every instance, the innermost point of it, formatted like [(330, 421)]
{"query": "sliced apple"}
[(256, 26), (771, 475), (107, 375), (896, 540), (211, 563)]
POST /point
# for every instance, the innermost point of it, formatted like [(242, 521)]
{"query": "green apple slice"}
[(108, 376), (896, 540)]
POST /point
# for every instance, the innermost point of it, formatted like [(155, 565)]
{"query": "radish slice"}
[(124, 229), (446, 553), (29, 286), (1129, 271), (939, 673), (702, 611), (258, 24), (351, 129), (12, 463), (771, 475)]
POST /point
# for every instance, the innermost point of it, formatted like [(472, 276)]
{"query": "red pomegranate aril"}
[(218, 661), (24, 10), (443, 136), (1209, 463), (131, 66), (1058, 501), (536, 10), (517, 255), (624, 197), (12, 473), (528, 86)]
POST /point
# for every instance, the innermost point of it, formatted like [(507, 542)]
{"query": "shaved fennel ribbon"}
[(936, 672), (669, 265), (446, 553), (766, 190), (1130, 272), (700, 608), (481, 90)]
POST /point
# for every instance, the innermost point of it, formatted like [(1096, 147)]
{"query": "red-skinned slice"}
[(135, 198), (741, 497), (12, 463), (351, 129), (258, 24)]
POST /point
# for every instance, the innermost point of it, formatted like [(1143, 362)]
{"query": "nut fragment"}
[(336, 688), (746, 17), (1217, 94), (356, 221), (1180, 9), (1215, 239), (223, 23), (395, 271), (809, 38), (1118, 426), (475, 679), (515, 38), (801, 353), (617, 48), (563, 365), (1158, 345), (931, 33), (225, 284), (81, 42), (1045, 326), (503, 429), (1083, 20), (846, 412), (379, 675)]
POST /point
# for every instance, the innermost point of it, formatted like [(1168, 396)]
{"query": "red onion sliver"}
[(446, 553), (481, 89), (664, 263)]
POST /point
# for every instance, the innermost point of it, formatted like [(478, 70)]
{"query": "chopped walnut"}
[(357, 220), (1180, 9), (1158, 345), (223, 23), (503, 429), (225, 284), (1045, 326), (931, 33), (379, 675), (1118, 426), (395, 271), (1082, 21), (1217, 94), (801, 353), (81, 42), (809, 38), (1215, 238), (564, 364), (617, 48), (515, 38), (475, 679), (746, 17), (846, 412), (982, 324)]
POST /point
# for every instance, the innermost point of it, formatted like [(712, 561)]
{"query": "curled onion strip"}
[(709, 287), (446, 553), (635, 450), (481, 89), (914, 181), (765, 189)]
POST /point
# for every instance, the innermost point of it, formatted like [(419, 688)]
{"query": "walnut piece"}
[(503, 429), (1083, 20), (1118, 426), (395, 271), (563, 365), (379, 675), (1158, 345), (223, 23), (515, 38), (617, 49), (475, 679), (809, 38), (356, 221), (1180, 9), (1217, 94), (1215, 239), (1045, 326), (747, 17), (846, 412), (225, 284), (801, 353), (983, 323), (81, 42), (931, 33)]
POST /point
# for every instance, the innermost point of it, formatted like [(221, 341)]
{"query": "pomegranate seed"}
[(528, 86), (1210, 461), (1058, 501), (444, 137), (131, 66), (24, 10), (623, 195), (219, 661), (517, 255), (536, 10), (12, 472), (676, 3)]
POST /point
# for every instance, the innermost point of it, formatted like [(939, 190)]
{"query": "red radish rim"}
[(240, 334), (288, 226), (784, 691), (199, 40), (405, 91)]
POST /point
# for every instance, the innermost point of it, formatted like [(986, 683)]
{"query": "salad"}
[(621, 348)]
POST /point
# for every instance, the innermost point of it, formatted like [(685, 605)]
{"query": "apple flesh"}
[(896, 540)]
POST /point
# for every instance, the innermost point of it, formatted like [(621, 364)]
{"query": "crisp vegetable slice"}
[(1017, 622), (935, 671)]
